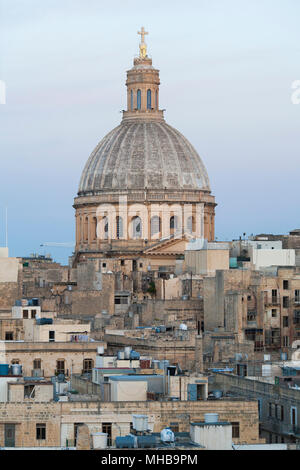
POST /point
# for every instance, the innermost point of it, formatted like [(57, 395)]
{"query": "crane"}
[(62, 245)]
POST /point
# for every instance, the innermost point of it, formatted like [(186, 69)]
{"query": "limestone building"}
[(144, 190)]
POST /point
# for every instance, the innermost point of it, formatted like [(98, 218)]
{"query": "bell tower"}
[(143, 87)]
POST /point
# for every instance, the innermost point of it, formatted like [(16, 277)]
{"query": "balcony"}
[(62, 371), (295, 430), (37, 373), (272, 301)]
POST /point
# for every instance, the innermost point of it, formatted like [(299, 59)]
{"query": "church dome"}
[(143, 153)]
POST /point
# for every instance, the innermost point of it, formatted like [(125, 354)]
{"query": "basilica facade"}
[(144, 191)]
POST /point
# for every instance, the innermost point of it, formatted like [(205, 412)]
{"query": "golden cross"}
[(142, 33)]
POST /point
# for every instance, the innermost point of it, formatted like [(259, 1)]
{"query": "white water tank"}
[(211, 417), (127, 352), (183, 327), (167, 435), (99, 440), (16, 369), (140, 422), (100, 350)]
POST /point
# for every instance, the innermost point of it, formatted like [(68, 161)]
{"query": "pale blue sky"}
[(226, 69)]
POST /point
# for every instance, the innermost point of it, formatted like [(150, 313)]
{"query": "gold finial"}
[(143, 45)]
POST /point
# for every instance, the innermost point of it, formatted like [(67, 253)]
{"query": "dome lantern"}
[(143, 87)]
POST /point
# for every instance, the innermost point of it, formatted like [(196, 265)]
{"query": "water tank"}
[(183, 327), (267, 357), (217, 393), (99, 440), (127, 351), (140, 422), (155, 364), (134, 355), (211, 417), (163, 329), (16, 369), (100, 350), (125, 442), (283, 356), (4, 369), (121, 355), (167, 435), (146, 442)]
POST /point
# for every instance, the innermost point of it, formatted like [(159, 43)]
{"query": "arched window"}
[(119, 227), (105, 222), (190, 224), (148, 99), (138, 99), (156, 99), (131, 100), (155, 225), (173, 222), (136, 227), (94, 228), (85, 228)]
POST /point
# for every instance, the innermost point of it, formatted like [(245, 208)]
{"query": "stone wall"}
[(60, 417)]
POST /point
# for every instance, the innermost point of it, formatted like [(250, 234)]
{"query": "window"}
[(149, 99), (141, 265), (249, 297), (76, 426), (293, 416), (60, 366), (274, 313), (285, 302), (136, 227), (41, 431), (103, 265), (285, 284), (51, 335), (121, 300), (105, 228), (15, 361), (155, 225), (88, 365), (235, 430), (138, 99), (119, 227), (106, 427), (29, 391), (190, 224), (274, 295), (33, 313), (9, 336), (297, 295), (37, 363), (122, 262), (131, 100), (156, 100), (285, 322), (25, 313), (281, 413), (286, 341), (270, 409)]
